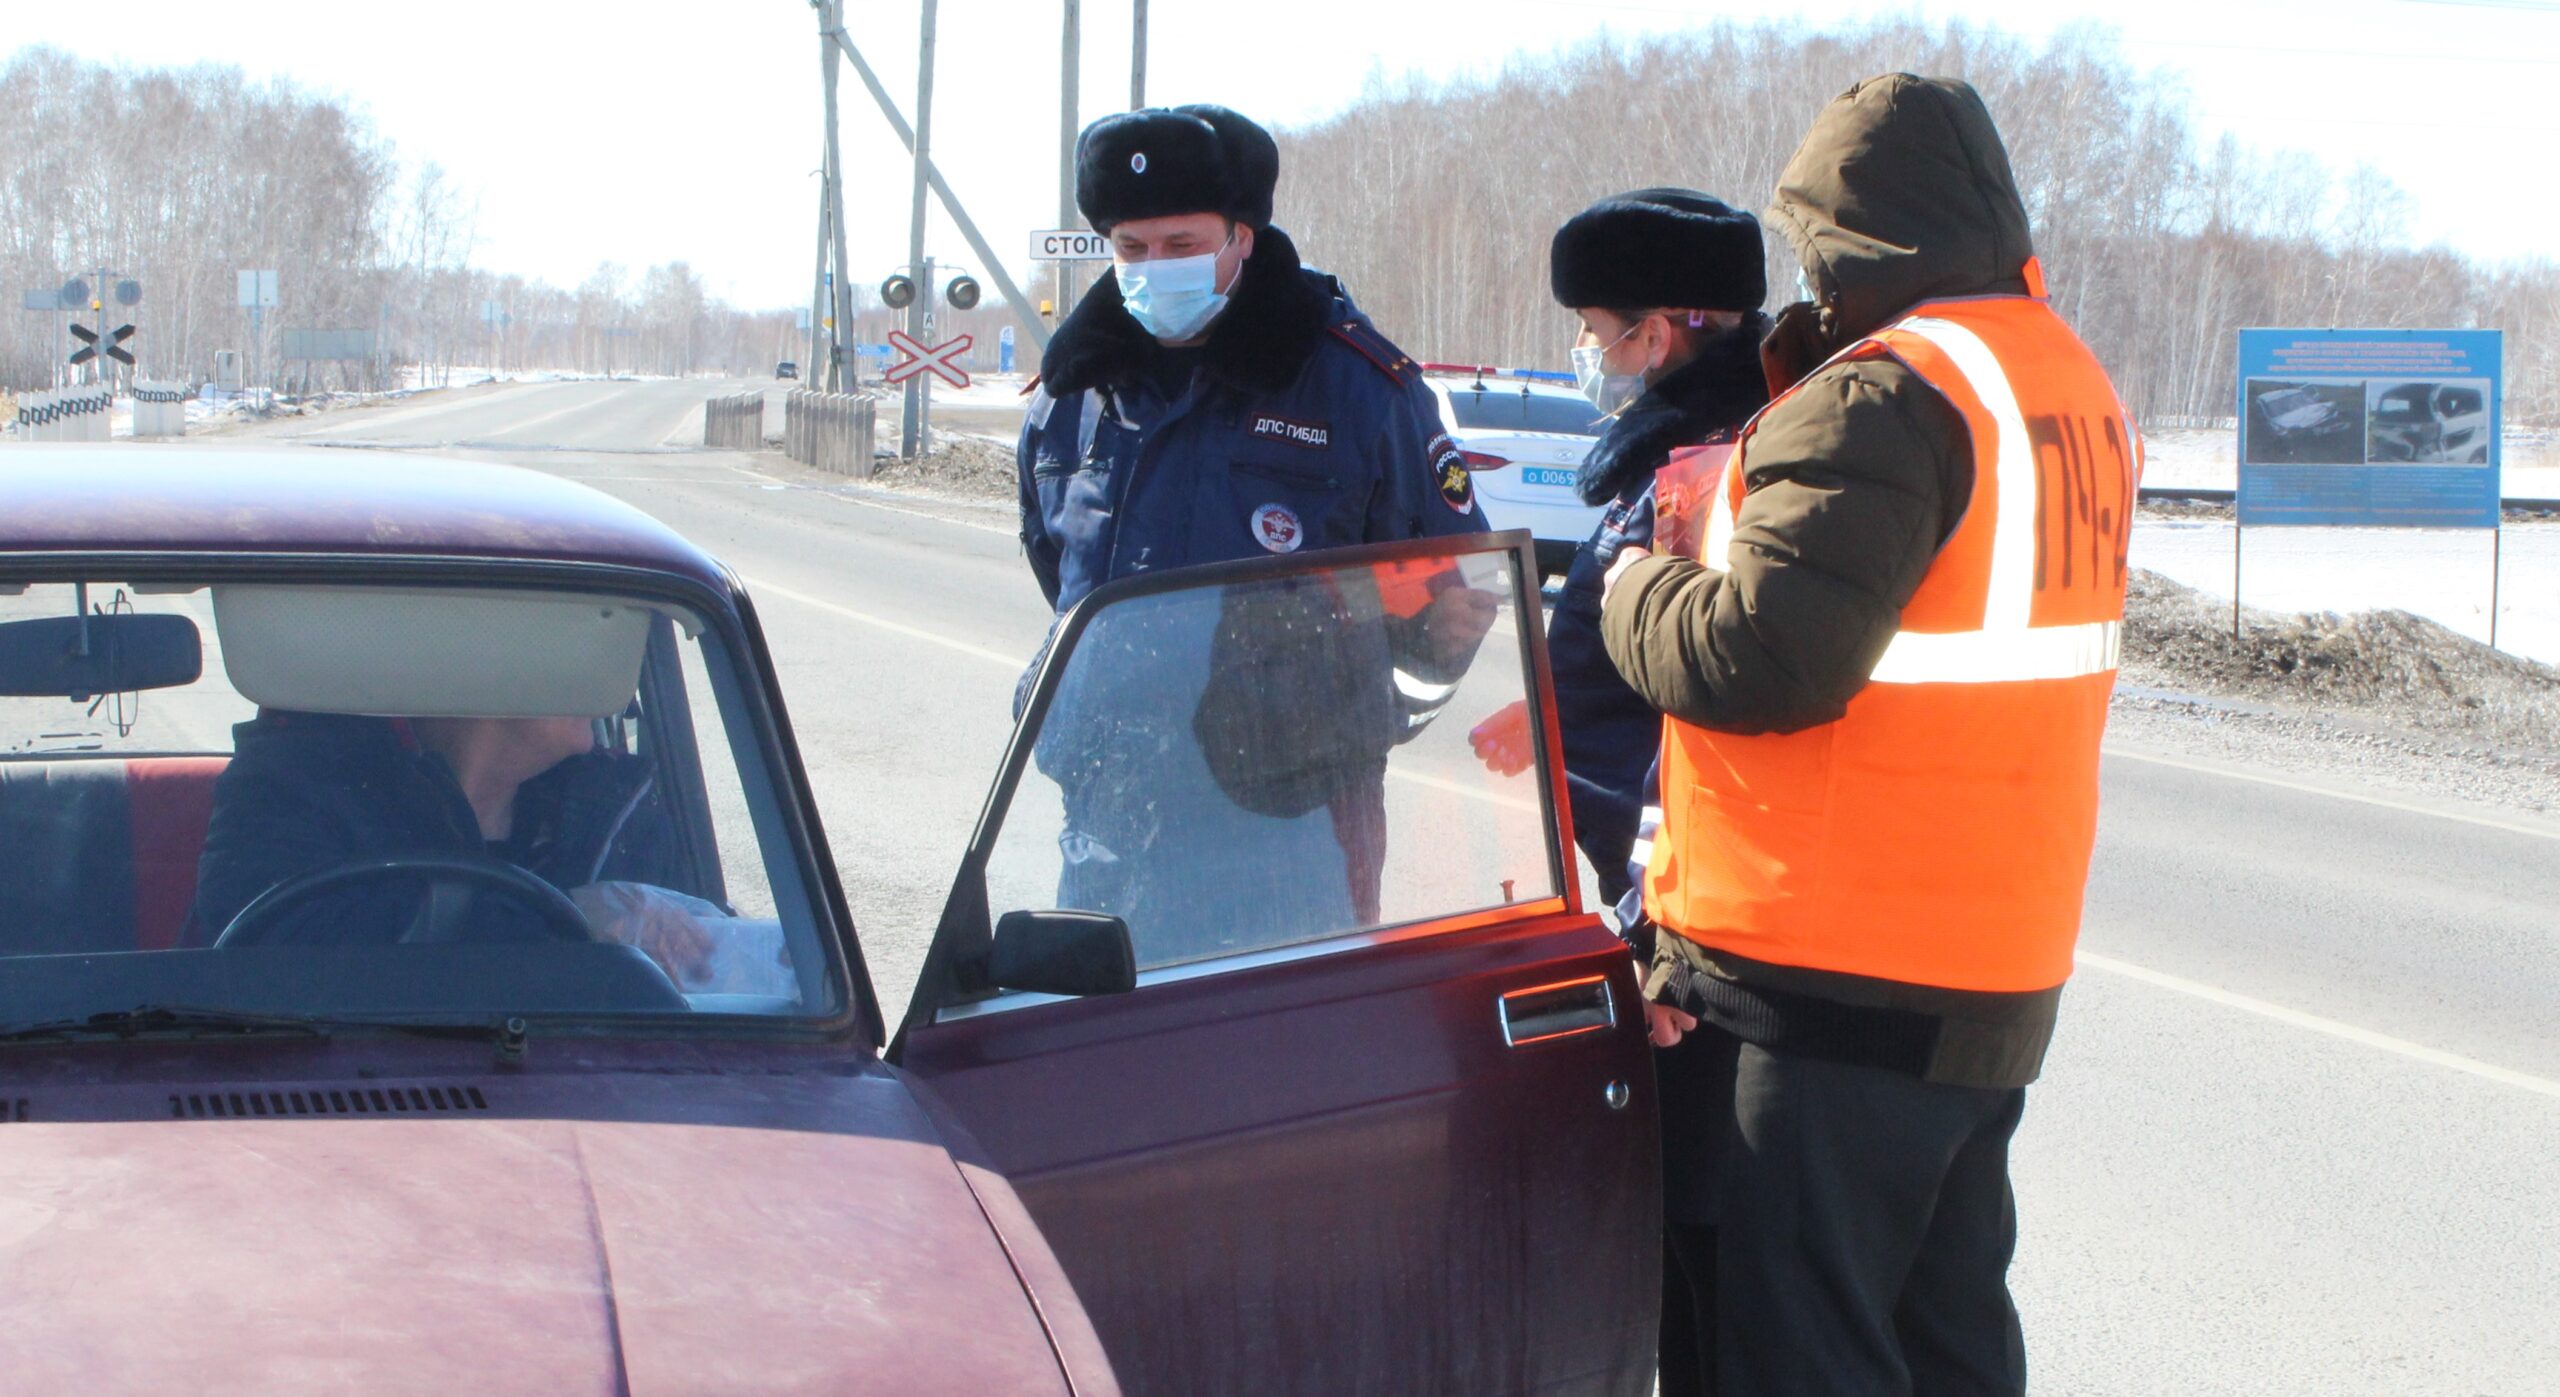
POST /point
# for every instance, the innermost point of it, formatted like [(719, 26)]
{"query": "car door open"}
[(1352, 1094)]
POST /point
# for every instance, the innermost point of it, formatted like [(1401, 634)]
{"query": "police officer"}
[(1213, 398), (1666, 285)]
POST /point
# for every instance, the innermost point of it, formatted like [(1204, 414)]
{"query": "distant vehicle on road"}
[(419, 1118), (2431, 424), (1524, 440), (786, 369)]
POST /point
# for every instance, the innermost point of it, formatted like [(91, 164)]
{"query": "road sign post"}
[(2370, 429), (257, 296)]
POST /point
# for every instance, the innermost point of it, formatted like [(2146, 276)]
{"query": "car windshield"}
[(1495, 407), (2402, 405), (405, 802)]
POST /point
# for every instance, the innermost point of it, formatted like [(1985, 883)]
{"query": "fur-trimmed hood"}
[(1269, 330)]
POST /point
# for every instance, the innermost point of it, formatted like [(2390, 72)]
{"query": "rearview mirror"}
[(1063, 952), (81, 657)]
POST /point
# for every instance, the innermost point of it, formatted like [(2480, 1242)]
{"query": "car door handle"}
[(1566, 1009)]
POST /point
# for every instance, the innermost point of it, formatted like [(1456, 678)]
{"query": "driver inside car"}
[(310, 791)]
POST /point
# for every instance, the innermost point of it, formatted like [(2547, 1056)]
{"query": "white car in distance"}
[(1523, 439)]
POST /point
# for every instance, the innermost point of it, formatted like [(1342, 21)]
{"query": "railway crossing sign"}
[(920, 359), (91, 346)]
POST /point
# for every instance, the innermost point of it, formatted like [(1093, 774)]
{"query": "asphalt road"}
[(2300, 1132)]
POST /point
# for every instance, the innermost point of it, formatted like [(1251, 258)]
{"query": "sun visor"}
[(429, 653)]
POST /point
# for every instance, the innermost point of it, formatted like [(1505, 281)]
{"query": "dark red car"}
[(421, 969)]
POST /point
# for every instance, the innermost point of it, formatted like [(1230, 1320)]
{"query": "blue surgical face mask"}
[(1610, 393), (1175, 298)]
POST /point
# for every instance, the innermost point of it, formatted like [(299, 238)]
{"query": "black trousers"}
[(1863, 1233), (1696, 1085)]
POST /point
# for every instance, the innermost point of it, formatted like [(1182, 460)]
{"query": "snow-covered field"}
[(2202, 459), (2441, 574)]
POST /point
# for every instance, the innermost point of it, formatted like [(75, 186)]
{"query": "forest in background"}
[(1434, 201), (179, 179)]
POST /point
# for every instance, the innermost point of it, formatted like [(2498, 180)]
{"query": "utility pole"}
[(832, 312), (1070, 70), (1137, 54), (911, 436), (813, 372)]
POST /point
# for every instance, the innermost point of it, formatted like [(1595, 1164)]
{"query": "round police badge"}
[(1138, 163), (1275, 526)]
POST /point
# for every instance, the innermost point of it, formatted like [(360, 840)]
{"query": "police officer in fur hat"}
[(1666, 286), (1213, 399)]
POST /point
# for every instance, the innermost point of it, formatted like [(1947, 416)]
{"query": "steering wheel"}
[(253, 924)]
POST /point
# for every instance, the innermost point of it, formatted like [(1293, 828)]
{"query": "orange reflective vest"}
[(1939, 832)]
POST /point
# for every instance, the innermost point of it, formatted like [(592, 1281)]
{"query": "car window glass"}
[(1251, 765), (1496, 408), (150, 805)]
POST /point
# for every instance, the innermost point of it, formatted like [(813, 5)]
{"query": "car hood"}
[(679, 1235)]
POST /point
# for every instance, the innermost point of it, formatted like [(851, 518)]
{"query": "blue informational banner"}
[(1004, 350), (871, 351), (2388, 428)]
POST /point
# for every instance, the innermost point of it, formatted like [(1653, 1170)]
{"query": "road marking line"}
[(1460, 788), (532, 422), (1016, 663), (2437, 1057), (2282, 784)]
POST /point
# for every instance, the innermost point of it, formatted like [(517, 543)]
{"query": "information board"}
[(2388, 428)]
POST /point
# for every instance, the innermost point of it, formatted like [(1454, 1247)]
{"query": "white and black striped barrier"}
[(69, 414), (160, 409)]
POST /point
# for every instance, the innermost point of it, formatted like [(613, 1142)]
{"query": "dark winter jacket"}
[(1900, 193), (307, 791), (1611, 734), (1298, 427)]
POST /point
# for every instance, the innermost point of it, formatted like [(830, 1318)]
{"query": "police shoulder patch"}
[(1449, 469)]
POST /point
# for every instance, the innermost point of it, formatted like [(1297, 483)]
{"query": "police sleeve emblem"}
[(1457, 483)]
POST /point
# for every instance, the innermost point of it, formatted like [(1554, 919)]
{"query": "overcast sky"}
[(650, 130)]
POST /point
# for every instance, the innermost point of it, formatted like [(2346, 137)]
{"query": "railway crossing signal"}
[(91, 346), (921, 359)]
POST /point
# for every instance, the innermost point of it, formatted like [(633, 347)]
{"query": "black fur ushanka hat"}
[(1658, 249), (1168, 160)]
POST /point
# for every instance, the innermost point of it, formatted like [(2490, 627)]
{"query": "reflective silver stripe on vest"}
[(2013, 530), (2006, 649), (2001, 657)]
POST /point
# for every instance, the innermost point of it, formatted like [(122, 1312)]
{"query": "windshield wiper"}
[(187, 1020)]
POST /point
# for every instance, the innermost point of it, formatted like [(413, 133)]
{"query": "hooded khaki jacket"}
[(1851, 486)]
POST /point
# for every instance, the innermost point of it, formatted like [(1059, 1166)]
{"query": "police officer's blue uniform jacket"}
[(1295, 426), (1611, 735)]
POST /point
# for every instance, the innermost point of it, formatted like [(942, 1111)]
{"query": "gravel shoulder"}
[(2377, 699)]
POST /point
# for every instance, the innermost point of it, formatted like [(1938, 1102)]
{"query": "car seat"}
[(102, 850)]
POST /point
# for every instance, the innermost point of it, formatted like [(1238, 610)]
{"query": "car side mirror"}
[(1063, 952)]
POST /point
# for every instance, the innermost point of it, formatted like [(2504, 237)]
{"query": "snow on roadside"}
[(2441, 574)]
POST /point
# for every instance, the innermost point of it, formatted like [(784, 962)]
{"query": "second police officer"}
[(1667, 285)]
